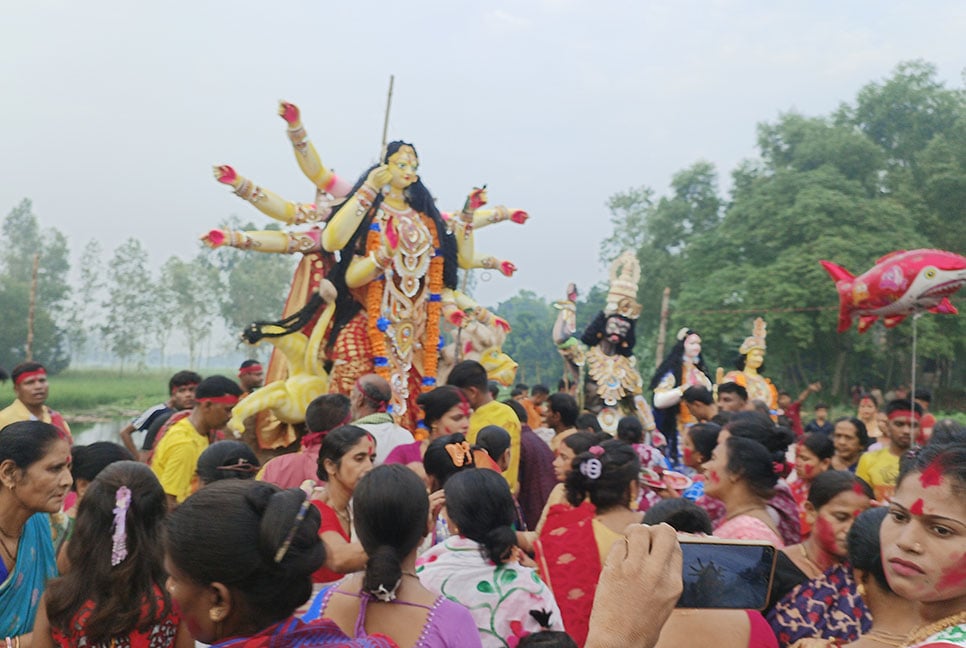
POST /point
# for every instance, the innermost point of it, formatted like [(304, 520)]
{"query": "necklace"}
[(9, 535), (887, 638), (6, 550), (811, 562), (922, 633), (743, 511)]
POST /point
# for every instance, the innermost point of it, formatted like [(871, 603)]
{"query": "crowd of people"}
[(503, 523)]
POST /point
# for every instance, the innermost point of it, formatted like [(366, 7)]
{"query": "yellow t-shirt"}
[(18, 412), (496, 413), (176, 458), (880, 469)]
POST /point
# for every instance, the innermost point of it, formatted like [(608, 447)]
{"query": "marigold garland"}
[(432, 298)]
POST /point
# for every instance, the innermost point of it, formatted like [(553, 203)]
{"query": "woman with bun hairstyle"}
[(388, 599), (575, 541), (445, 411), (240, 556), (477, 566), (780, 506), (816, 595), (115, 592), (348, 453), (743, 473)]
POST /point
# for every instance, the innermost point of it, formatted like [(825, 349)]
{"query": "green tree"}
[(130, 305), (84, 320), (22, 240), (192, 290)]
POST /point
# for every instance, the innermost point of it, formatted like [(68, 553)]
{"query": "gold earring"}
[(860, 589), (216, 614)]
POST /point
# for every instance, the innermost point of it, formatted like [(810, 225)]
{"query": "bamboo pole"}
[(662, 328), (385, 121)]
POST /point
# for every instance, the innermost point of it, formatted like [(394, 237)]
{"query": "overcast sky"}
[(114, 112)]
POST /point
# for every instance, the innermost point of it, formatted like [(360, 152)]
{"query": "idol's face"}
[(402, 167)]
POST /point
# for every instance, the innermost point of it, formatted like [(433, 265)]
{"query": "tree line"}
[(884, 172)]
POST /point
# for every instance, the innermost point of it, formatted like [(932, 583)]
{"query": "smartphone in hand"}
[(726, 574)]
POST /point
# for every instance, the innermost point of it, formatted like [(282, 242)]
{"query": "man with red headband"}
[(880, 468), (370, 398), (31, 387), (181, 396), (251, 375), (176, 455)]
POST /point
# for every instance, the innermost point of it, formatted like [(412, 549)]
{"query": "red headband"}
[(383, 404), (255, 368), (227, 399), (27, 375), (904, 412)]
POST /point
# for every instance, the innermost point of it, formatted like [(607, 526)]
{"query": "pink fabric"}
[(761, 635), (406, 453), (747, 527), (290, 470)]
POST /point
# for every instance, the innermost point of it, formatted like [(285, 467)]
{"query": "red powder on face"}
[(916, 508), (825, 535), (857, 489), (808, 470), (932, 475), (713, 477), (953, 577)]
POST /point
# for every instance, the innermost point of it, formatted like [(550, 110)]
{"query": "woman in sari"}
[(817, 594), (240, 556), (34, 479), (478, 567), (574, 541), (445, 411)]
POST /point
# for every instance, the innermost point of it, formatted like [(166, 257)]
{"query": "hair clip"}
[(778, 467), (595, 450), (283, 549), (122, 501), (460, 454), (591, 468), (387, 596)]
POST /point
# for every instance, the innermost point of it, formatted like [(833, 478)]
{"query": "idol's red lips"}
[(904, 567)]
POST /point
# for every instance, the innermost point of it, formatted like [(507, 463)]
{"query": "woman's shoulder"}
[(748, 527), (449, 625)]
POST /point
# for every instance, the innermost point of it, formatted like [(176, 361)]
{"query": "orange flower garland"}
[(374, 295)]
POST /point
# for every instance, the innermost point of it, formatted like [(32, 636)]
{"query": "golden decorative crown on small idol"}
[(757, 339), (625, 275)]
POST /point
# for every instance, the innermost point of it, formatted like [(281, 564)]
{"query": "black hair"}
[(326, 412), (587, 422), (609, 485), (759, 427), (819, 444), (336, 443), (466, 374), (437, 402), (539, 389), (673, 362), (923, 395), (493, 387), (698, 394), (27, 442), (865, 549), (523, 387), (860, 430), (830, 483), (293, 322), (517, 391), (87, 461), (25, 367), (391, 508), (494, 439), (580, 441), (437, 462), (871, 397), (821, 406), (597, 330), (258, 540), (566, 406), (704, 438), (721, 418), (481, 505), (547, 639), (740, 362), (518, 409), (733, 388), (948, 430), (215, 386), (248, 363), (903, 404), (944, 460), (630, 429), (139, 576), (227, 459), (683, 515), (183, 378), (754, 463)]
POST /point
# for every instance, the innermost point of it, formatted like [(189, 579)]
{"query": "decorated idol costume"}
[(682, 368)]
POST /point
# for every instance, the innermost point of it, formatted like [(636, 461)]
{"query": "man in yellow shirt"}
[(470, 377), (31, 387), (880, 468), (176, 454)]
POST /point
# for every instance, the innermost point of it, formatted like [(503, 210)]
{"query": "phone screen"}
[(725, 575)]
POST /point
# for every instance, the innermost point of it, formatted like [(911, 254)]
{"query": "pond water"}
[(86, 433)]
